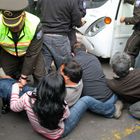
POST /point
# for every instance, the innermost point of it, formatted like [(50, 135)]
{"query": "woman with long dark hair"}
[(46, 108)]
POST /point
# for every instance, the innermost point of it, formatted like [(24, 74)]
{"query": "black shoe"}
[(5, 109)]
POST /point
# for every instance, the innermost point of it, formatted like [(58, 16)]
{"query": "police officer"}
[(20, 42), (133, 44)]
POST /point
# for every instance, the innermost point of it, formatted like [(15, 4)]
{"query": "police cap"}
[(12, 11)]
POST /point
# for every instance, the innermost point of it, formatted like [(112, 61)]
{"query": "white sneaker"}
[(118, 109), (131, 68)]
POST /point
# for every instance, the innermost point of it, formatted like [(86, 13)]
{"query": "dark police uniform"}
[(31, 62), (133, 44), (29, 39)]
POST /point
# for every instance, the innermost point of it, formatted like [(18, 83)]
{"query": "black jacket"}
[(94, 81), (59, 16)]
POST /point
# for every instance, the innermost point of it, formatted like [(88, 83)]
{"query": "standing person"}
[(21, 42), (127, 82), (57, 18), (47, 109), (72, 33), (104, 101), (133, 44), (72, 73)]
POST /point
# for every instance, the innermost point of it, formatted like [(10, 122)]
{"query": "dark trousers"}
[(12, 66), (72, 38), (133, 46)]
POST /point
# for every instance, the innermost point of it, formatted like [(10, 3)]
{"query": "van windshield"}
[(94, 3)]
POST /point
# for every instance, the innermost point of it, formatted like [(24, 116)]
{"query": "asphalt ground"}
[(15, 126)]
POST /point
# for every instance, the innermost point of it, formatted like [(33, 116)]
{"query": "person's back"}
[(103, 101), (59, 16), (93, 77), (127, 83)]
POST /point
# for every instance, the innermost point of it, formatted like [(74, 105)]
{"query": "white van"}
[(103, 34)]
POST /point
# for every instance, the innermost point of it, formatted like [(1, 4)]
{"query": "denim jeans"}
[(6, 88), (55, 47), (106, 109), (76, 112)]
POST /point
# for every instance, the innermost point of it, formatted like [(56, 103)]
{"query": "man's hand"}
[(83, 21), (122, 19), (22, 81)]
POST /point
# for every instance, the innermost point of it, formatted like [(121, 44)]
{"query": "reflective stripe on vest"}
[(26, 35)]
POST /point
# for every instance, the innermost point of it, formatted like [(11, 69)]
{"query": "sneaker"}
[(118, 109)]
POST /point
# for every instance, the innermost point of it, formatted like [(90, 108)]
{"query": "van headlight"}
[(97, 26)]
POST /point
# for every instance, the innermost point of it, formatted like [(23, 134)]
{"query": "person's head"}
[(13, 13), (121, 63), (71, 71), (49, 104), (79, 47)]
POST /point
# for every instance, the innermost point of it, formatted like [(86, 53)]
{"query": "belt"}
[(55, 34)]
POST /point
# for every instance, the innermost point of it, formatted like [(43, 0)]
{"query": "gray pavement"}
[(15, 126)]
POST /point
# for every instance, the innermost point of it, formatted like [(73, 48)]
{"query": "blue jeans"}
[(76, 112), (55, 47), (106, 109), (6, 88)]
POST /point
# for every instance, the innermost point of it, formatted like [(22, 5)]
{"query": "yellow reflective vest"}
[(25, 37)]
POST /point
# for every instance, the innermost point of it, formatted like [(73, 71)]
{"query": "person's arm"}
[(109, 82), (132, 20), (113, 85), (16, 102), (38, 8), (66, 112), (82, 7), (31, 56), (76, 15)]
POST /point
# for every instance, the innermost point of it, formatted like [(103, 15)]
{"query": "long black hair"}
[(49, 105)]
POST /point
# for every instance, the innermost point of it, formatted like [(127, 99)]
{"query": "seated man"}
[(72, 73), (104, 101), (127, 82)]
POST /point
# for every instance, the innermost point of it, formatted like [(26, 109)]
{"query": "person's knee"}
[(86, 99)]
